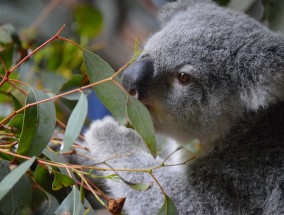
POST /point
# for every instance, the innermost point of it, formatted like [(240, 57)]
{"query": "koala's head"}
[(205, 69)]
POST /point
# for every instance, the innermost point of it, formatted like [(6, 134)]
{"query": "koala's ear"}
[(268, 90), (173, 8)]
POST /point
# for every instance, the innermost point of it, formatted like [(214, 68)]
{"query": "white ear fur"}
[(255, 97), (262, 95)]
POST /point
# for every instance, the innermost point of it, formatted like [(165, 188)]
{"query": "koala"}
[(210, 74)]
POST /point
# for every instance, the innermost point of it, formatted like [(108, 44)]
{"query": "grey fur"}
[(233, 106)]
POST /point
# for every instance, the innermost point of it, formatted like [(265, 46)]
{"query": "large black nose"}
[(136, 78)]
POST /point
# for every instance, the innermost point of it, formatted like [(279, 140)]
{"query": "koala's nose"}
[(136, 77)]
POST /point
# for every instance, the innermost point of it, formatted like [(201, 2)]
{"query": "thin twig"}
[(38, 48), (70, 41)]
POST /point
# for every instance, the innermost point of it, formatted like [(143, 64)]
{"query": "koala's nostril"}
[(136, 77)]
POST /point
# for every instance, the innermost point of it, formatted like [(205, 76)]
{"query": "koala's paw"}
[(107, 138)]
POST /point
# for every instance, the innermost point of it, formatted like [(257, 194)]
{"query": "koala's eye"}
[(184, 78)]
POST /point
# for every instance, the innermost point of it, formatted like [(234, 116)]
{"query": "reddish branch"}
[(8, 72)]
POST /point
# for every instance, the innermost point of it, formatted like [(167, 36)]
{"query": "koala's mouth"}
[(146, 103), (150, 106)]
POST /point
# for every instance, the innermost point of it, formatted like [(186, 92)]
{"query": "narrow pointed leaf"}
[(141, 121), (56, 158), (19, 196), (72, 205), (168, 207), (12, 178), (75, 123), (38, 126), (110, 94), (61, 180)]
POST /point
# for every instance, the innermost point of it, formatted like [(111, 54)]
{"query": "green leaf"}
[(72, 205), (75, 82), (168, 207), (52, 205), (141, 121), (18, 197), (140, 186), (17, 103), (75, 123), (43, 203), (16, 124), (110, 94), (12, 178), (43, 178), (56, 158), (52, 81), (89, 20), (39, 124), (61, 180)]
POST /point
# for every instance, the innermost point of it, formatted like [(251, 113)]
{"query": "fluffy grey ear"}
[(266, 83), (173, 8), (262, 95)]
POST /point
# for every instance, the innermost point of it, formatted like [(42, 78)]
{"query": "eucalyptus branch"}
[(92, 190)]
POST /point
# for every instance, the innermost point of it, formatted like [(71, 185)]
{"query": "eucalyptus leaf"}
[(17, 103), (75, 82), (52, 81), (61, 180), (16, 123), (75, 123), (13, 177), (43, 178), (168, 207), (56, 158), (72, 205), (51, 206), (18, 197), (38, 126), (110, 94), (141, 121), (48, 206)]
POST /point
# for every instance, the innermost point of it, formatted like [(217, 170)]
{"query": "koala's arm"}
[(122, 148)]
